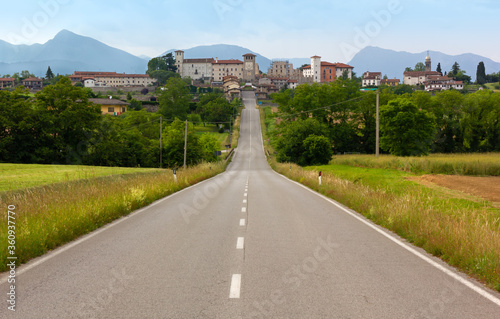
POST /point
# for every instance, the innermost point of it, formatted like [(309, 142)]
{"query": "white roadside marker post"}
[(319, 178)]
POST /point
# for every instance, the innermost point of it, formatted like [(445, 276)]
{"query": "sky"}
[(335, 30)]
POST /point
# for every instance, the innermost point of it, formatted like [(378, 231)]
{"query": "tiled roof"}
[(421, 73), (108, 102), (7, 79), (208, 60), (227, 62), (32, 80)]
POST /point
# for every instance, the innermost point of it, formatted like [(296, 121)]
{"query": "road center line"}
[(234, 291), (240, 243), (244, 201), (243, 209), (242, 222)]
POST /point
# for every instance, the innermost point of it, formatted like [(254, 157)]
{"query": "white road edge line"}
[(240, 243), (234, 291), (450, 273), (49, 255)]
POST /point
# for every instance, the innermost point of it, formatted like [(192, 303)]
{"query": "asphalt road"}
[(248, 243)]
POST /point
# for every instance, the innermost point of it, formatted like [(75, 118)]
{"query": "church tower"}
[(179, 61), (427, 62)]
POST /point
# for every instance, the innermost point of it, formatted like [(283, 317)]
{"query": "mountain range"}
[(393, 63), (68, 52)]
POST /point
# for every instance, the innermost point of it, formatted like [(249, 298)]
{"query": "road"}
[(248, 243)]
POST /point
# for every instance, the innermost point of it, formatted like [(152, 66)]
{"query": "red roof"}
[(32, 80), (227, 62), (343, 65), (7, 79)]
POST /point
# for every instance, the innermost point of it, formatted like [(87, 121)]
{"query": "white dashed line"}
[(242, 222), (243, 209), (246, 194), (234, 291), (240, 243), (244, 201)]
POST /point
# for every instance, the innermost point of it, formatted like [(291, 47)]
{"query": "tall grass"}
[(51, 215), (484, 164), (465, 234)]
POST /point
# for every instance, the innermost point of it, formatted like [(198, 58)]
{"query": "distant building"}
[(111, 79), (281, 69), (33, 83), (321, 71), (292, 84), (7, 82), (438, 83), (231, 87), (111, 106), (390, 82), (419, 77), (196, 69), (222, 68), (371, 79), (251, 69)]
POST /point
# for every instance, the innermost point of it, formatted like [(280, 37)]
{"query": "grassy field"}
[(484, 164), (19, 176), (53, 214)]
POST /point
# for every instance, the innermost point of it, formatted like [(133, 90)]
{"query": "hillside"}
[(393, 63), (65, 53)]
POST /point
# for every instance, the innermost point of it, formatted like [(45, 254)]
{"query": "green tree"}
[(290, 140), (481, 73), (455, 68), (174, 145), (214, 107), (419, 66), (209, 144), (406, 130), (26, 74), (174, 99), (66, 120), (49, 75), (438, 69), (408, 69), (162, 68), (318, 150)]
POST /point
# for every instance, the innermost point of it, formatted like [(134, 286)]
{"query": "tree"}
[(480, 73), (406, 130), (209, 144), (290, 142), (408, 69), (438, 69), (174, 145), (458, 74), (174, 99), (419, 66), (162, 68), (49, 75), (66, 119), (318, 150), (26, 74), (214, 107), (385, 77)]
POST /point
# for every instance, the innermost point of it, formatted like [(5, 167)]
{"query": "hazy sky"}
[(332, 29)]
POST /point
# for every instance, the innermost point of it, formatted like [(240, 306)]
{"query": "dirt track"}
[(484, 187)]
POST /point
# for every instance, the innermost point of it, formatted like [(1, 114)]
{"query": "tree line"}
[(319, 120), (59, 125)]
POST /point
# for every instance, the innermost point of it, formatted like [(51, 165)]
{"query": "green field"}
[(19, 176)]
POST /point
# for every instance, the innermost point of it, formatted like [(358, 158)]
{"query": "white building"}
[(420, 77), (371, 79), (196, 69), (438, 83)]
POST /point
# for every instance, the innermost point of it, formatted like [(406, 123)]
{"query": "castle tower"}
[(316, 68), (249, 67), (179, 61), (427, 62)]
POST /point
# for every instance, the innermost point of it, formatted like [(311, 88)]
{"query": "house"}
[(438, 83), (112, 79), (264, 91), (419, 77), (322, 72), (222, 68), (111, 106), (196, 69), (390, 82), (231, 87), (7, 82), (33, 83), (371, 79), (292, 84), (280, 82)]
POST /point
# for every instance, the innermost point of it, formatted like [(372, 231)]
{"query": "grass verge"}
[(464, 233), (51, 215), (484, 164)]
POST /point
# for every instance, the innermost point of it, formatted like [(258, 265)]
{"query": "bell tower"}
[(427, 62)]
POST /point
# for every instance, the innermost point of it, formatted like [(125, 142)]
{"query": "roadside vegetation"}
[(50, 215), (464, 231)]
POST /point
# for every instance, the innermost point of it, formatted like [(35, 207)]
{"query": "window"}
[(111, 110), (123, 110)]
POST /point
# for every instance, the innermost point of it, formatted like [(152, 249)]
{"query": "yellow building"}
[(111, 106)]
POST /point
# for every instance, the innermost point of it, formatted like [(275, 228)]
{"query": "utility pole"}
[(185, 143), (377, 134), (161, 141)]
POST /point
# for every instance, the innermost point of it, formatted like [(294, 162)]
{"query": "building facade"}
[(390, 82), (420, 77), (371, 79), (222, 68), (7, 82), (112, 79), (438, 83), (196, 69), (323, 72)]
